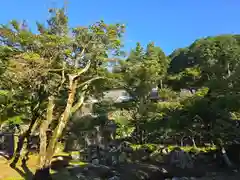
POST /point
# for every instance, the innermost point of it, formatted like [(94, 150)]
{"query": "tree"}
[(212, 62), (54, 65), (208, 61), (179, 60), (143, 71)]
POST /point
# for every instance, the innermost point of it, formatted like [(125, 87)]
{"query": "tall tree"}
[(208, 61), (143, 71), (57, 63)]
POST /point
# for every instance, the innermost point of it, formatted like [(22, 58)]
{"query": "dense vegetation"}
[(46, 77)]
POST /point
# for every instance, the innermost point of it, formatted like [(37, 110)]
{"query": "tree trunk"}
[(62, 123), (224, 153), (43, 132), (140, 116), (44, 173), (26, 148), (161, 84), (228, 70), (182, 139), (193, 141), (20, 145), (225, 158)]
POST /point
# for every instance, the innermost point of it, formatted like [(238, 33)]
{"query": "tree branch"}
[(43, 130), (81, 57), (84, 69), (63, 79), (89, 81), (79, 103)]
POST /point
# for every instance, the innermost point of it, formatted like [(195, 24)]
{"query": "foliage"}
[(123, 120), (167, 94), (208, 59), (45, 78), (143, 70), (51, 71)]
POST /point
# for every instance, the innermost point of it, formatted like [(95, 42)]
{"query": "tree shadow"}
[(133, 171), (25, 172)]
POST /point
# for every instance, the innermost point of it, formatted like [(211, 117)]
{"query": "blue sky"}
[(169, 23)]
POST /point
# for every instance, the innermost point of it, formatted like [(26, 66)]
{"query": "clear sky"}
[(169, 23)]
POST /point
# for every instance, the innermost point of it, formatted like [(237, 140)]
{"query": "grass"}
[(190, 148), (154, 147)]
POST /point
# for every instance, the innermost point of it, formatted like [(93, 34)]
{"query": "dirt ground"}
[(8, 173)]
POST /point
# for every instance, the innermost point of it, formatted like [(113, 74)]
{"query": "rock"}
[(164, 170), (193, 178), (99, 171), (75, 156), (140, 171), (171, 171), (60, 162), (85, 168), (81, 176), (122, 157), (95, 161), (180, 158), (157, 157), (60, 158), (180, 178), (175, 178), (114, 178), (165, 151)]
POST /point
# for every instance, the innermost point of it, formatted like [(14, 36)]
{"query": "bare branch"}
[(84, 86), (79, 103), (63, 78), (74, 76), (81, 57), (57, 70), (89, 81), (84, 69)]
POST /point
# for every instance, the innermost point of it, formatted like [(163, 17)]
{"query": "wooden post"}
[(11, 144), (8, 143)]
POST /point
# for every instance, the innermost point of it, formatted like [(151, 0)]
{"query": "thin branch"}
[(84, 69), (73, 77), (63, 78), (81, 57), (84, 86), (89, 81), (79, 103), (57, 70)]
